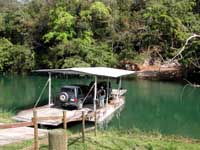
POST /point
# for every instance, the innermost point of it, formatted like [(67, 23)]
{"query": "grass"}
[(129, 140), (120, 140), (6, 116), (18, 146)]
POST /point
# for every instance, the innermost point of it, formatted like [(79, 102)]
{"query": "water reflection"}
[(157, 106)]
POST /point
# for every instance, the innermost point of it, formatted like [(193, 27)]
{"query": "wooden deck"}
[(72, 115)]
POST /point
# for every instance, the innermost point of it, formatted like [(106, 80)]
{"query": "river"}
[(150, 105)]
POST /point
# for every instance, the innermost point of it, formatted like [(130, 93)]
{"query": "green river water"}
[(150, 105)]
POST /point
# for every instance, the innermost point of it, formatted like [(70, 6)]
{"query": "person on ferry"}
[(102, 95)]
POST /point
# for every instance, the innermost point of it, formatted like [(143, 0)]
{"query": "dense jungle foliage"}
[(67, 33)]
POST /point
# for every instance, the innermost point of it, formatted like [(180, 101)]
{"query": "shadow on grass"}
[(99, 144)]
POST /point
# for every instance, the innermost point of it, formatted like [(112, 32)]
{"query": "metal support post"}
[(119, 87), (95, 93), (108, 91), (49, 89)]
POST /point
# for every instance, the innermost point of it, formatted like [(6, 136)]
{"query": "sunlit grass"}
[(120, 140)]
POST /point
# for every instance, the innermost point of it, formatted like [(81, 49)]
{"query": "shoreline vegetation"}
[(40, 34)]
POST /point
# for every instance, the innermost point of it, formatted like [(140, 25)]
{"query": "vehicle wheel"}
[(63, 97)]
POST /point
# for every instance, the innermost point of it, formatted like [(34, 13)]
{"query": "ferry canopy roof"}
[(95, 71)]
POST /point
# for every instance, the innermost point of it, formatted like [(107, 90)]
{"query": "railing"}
[(16, 125)]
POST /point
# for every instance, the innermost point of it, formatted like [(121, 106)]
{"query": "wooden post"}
[(83, 126), (95, 123), (57, 140), (36, 145), (65, 125), (64, 120)]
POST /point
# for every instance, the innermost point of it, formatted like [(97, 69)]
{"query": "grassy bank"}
[(5, 116), (120, 140), (132, 140), (111, 139)]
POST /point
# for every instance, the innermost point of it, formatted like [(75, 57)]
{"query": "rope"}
[(41, 93)]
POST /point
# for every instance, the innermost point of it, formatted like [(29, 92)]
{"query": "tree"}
[(61, 26), (68, 33), (168, 23), (15, 58), (100, 19)]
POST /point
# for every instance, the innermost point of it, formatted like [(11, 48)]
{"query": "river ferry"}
[(97, 98)]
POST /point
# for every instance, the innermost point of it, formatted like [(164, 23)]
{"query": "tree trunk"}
[(57, 140)]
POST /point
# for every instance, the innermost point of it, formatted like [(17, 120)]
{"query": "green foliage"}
[(15, 58), (81, 53), (101, 19), (67, 33), (73, 37), (74, 61), (191, 55), (4, 54), (169, 23), (15, 25), (99, 10), (2, 22), (167, 26), (61, 25), (100, 55)]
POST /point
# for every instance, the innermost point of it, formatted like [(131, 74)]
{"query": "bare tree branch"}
[(183, 48)]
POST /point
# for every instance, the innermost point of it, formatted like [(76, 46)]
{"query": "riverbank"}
[(113, 139), (161, 72), (158, 71), (117, 140)]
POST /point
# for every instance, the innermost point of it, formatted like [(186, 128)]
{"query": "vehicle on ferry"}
[(78, 95)]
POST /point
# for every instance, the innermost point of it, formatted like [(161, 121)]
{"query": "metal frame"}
[(95, 92), (119, 87), (108, 88), (49, 103), (87, 72)]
